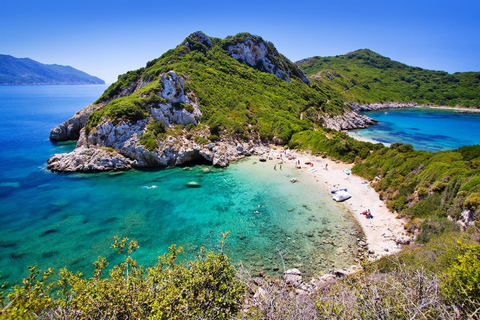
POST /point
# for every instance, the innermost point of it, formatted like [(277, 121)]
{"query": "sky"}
[(107, 38)]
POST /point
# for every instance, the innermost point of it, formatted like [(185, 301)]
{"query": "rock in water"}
[(85, 159), (193, 184)]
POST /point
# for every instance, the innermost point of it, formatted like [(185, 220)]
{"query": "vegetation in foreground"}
[(209, 288)]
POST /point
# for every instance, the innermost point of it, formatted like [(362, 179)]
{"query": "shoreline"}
[(385, 231), (462, 109)]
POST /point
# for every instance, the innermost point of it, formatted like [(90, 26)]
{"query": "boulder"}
[(292, 277)]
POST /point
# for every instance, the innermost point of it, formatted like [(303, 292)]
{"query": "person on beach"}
[(326, 166), (275, 167), (280, 167)]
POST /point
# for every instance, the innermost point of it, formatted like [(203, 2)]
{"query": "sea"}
[(425, 128), (67, 220)]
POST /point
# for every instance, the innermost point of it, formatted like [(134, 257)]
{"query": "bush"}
[(472, 202), (422, 192), (205, 288), (461, 283), (213, 137), (404, 293), (438, 186), (149, 141), (157, 127), (201, 140)]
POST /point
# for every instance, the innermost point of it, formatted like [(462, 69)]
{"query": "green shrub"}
[(149, 141), (213, 137), (461, 283), (422, 192), (201, 140), (472, 202), (205, 288), (157, 127), (438, 186)]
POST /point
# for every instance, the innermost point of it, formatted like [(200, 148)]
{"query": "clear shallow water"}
[(68, 220), (426, 129)]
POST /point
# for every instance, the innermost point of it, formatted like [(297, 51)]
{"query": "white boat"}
[(341, 196)]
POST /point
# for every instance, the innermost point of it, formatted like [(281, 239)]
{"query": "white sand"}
[(384, 229)]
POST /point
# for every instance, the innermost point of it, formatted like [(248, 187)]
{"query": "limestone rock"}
[(255, 52), (293, 277), (349, 120), (85, 159), (199, 37), (70, 129)]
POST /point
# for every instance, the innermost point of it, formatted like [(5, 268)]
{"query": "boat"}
[(347, 171), (335, 191), (262, 159), (341, 196)]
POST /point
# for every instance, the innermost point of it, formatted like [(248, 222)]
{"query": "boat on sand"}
[(341, 196)]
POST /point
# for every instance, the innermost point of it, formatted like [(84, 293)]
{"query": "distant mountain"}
[(25, 71), (364, 76)]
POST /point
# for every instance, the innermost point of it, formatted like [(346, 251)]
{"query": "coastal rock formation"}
[(85, 159), (380, 106), (70, 129), (349, 120), (255, 52), (117, 147)]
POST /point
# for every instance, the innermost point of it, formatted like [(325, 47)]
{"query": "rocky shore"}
[(400, 105), (348, 121)]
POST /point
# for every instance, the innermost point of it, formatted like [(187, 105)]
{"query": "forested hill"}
[(364, 76), (25, 71)]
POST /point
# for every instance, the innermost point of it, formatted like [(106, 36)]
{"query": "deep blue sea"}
[(68, 220), (426, 129)]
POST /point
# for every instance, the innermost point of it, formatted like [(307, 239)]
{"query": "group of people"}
[(367, 214)]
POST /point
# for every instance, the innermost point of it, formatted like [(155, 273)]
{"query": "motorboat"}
[(341, 196)]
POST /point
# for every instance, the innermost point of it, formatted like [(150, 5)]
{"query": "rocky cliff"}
[(348, 121), (207, 100), (116, 145), (255, 52)]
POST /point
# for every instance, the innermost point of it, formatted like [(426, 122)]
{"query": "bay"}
[(425, 128), (68, 220)]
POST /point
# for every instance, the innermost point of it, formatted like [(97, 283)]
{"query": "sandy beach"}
[(383, 231)]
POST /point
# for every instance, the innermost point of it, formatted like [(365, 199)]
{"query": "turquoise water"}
[(426, 129), (68, 220)]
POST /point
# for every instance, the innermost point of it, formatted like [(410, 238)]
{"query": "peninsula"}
[(25, 71)]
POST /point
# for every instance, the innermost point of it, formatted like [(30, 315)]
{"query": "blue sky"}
[(106, 38)]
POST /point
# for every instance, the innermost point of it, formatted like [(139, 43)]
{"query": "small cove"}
[(68, 220)]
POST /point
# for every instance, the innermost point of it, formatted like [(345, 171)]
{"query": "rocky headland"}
[(115, 133)]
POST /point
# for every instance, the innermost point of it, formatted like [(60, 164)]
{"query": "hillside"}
[(364, 76), (237, 93), (24, 71)]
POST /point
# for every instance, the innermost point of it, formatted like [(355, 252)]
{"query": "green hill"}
[(364, 76), (24, 71), (250, 99)]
